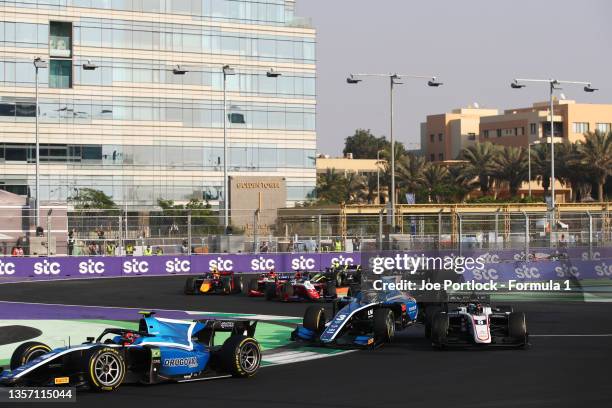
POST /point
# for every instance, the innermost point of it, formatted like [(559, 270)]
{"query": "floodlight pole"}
[(393, 80)]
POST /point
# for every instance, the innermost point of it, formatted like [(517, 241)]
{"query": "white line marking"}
[(307, 355), (571, 335)]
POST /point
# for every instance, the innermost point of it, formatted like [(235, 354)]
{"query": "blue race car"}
[(366, 320), (162, 350)]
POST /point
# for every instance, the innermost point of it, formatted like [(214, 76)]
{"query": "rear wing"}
[(244, 327), (469, 298)]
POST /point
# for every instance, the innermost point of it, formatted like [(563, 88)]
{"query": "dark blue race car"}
[(366, 320), (162, 350)]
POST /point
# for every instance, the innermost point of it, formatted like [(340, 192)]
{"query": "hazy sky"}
[(476, 47)]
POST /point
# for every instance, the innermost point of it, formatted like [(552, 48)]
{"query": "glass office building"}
[(117, 114)]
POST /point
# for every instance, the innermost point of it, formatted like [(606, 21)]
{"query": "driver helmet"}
[(298, 275), (474, 308), (271, 274), (129, 338)]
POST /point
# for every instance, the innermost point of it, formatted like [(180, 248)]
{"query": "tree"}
[(330, 187), (540, 165), (570, 169), (436, 178), (479, 162), (410, 168), (203, 218), (92, 199), (510, 166), (596, 154), (364, 145)]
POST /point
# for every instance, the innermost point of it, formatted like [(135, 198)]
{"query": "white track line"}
[(571, 335)]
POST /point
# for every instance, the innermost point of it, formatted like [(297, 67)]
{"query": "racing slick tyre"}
[(286, 290), (270, 290), (439, 329), (240, 356), (330, 289), (105, 369), (314, 319), (190, 284), (226, 285), (27, 352), (254, 285), (384, 325), (517, 327), (237, 285), (430, 314)]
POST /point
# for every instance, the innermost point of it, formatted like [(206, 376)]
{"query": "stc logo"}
[(91, 266), (490, 258), (603, 269), (302, 263), (487, 274), (7, 268), (262, 264), (596, 256), (177, 266), (343, 261), (47, 268), (135, 266), (565, 271), (527, 272), (222, 265)]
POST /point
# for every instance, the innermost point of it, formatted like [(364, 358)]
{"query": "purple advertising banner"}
[(574, 264)]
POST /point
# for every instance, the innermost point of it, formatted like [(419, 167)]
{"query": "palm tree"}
[(596, 154), (410, 168), (479, 158), (330, 186), (356, 188), (540, 165), (435, 176), (572, 170), (464, 184), (510, 166)]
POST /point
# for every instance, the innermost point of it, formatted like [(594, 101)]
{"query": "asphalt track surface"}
[(569, 362)]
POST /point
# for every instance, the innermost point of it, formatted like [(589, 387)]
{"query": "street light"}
[(552, 83), (89, 66), (354, 79), (378, 174), (39, 63), (273, 73), (178, 70)]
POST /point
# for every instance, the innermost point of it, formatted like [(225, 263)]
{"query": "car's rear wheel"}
[(517, 326), (439, 329), (286, 290), (27, 352), (226, 285), (190, 284), (384, 325), (270, 290), (314, 319), (430, 314), (240, 356), (254, 285), (330, 289), (237, 284), (106, 369)]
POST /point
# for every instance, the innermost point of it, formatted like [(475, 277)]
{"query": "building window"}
[(499, 132), (471, 136), (441, 157), (486, 134), (604, 127), (440, 137), (432, 157), (533, 128), (60, 39), (60, 74), (581, 127), (432, 138)]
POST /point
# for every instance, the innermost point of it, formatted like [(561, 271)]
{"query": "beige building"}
[(518, 127), (443, 136), (349, 165)]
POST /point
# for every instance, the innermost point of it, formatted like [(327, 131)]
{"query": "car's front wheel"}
[(384, 325), (27, 352), (106, 369), (314, 319), (439, 329)]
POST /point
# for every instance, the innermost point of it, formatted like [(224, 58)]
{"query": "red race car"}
[(293, 287), (224, 283)]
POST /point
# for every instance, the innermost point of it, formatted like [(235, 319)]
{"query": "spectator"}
[(184, 248), (148, 251), (159, 251), (17, 249), (129, 249), (264, 247), (92, 248), (40, 232), (70, 242), (110, 248)]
